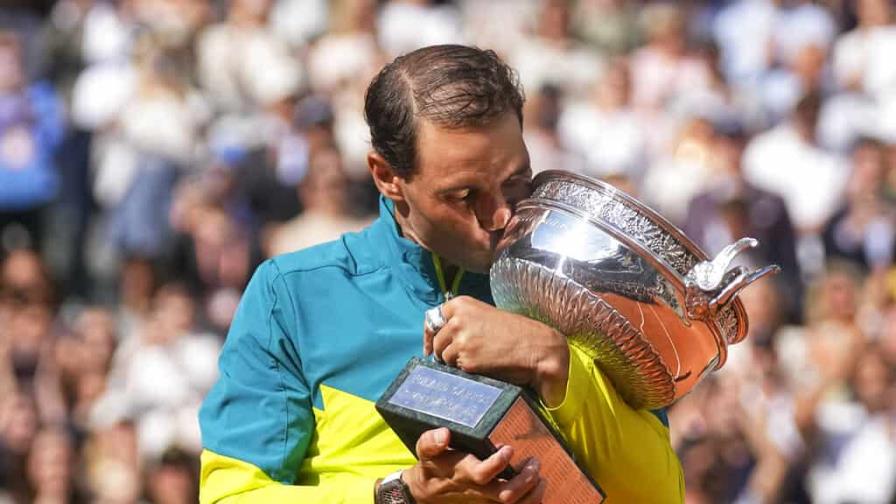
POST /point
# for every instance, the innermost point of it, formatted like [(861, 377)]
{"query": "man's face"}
[(464, 189)]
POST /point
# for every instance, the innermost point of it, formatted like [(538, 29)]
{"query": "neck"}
[(449, 270)]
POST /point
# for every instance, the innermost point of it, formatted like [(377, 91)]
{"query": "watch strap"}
[(393, 490)]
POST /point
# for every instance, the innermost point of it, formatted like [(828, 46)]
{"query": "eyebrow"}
[(471, 183), (522, 170), (460, 186)]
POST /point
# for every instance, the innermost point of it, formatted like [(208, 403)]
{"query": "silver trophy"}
[(624, 284)]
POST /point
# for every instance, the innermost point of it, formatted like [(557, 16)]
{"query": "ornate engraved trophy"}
[(619, 281), (623, 283)]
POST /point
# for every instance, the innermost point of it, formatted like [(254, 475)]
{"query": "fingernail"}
[(506, 452), (530, 474), (534, 464), (441, 436)]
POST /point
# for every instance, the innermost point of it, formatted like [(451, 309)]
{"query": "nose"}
[(496, 215)]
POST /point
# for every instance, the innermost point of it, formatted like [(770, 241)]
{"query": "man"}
[(320, 333)]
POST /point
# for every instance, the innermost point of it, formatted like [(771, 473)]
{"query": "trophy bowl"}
[(623, 284)]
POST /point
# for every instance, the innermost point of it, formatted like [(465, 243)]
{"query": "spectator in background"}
[(112, 463), (552, 56), (855, 458), (799, 24), (172, 479), (546, 149), (155, 141), (241, 63), (299, 22), (160, 375), (861, 56), (864, 229), (137, 282), (864, 74), (743, 31), (19, 423), (610, 26), (730, 207), (326, 212), (605, 131), (52, 463), (214, 255), (83, 359), (681, 171), (664, 70), (784, 86), (787, 161), (31, 129), (405, 25), (348, 50), (819, 357), (728, 452), (27, 337)]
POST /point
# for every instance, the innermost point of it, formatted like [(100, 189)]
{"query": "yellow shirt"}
[(626, 451)]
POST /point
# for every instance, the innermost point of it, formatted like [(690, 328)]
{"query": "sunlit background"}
[(153, 152)]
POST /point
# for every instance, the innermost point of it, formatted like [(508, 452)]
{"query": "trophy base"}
[(482, 415)]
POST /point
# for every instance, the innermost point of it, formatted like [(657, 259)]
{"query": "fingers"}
[(449, 310), (429, 332), (432, 443), (450, 307), (522, 485), (450, 355), (446, 472), (427, 340), (443, 339), (483, 472), (536, 495)]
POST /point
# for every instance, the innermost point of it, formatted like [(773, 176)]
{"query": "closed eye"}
[(461, 195)]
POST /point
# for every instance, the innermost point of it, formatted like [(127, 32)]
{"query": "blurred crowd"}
[(153, 152)]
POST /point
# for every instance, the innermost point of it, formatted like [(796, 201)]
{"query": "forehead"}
[(490, 151)]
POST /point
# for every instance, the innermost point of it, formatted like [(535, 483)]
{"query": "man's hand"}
[(447, 476), (479, 338)]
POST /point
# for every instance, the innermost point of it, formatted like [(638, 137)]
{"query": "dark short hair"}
[(453, 86)]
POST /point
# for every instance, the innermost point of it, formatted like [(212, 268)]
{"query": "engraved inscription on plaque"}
[(446, 396)]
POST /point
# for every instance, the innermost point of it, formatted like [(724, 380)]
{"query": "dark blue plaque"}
[(444, 395)]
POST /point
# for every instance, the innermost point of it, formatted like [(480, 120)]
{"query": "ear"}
[(384, 176)]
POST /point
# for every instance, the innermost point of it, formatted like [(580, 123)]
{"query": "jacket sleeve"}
[(627, 451), (257, 420)]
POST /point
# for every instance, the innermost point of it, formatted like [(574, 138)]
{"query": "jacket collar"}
[(413, 264)]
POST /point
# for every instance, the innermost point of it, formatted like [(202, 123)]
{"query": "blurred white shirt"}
[(859, 462), (743, 30), (810, 180), (658, 80), (573, 68), (865, 56), (309, 229), (161, 386), (337, 60), (244, 67), (405, 26), (797, 27), (610, 142), (298, 21)]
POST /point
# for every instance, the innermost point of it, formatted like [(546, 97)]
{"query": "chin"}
[(478, 268), (480, 263)]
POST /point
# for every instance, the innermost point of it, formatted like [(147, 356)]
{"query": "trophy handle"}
[(710, 285)]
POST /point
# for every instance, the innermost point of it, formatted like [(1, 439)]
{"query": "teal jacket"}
[(319, 335)]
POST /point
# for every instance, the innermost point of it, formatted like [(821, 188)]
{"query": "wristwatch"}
[(393, 490)]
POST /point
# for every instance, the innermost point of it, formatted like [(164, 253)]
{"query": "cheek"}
[(459, 229), (458, 225)]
